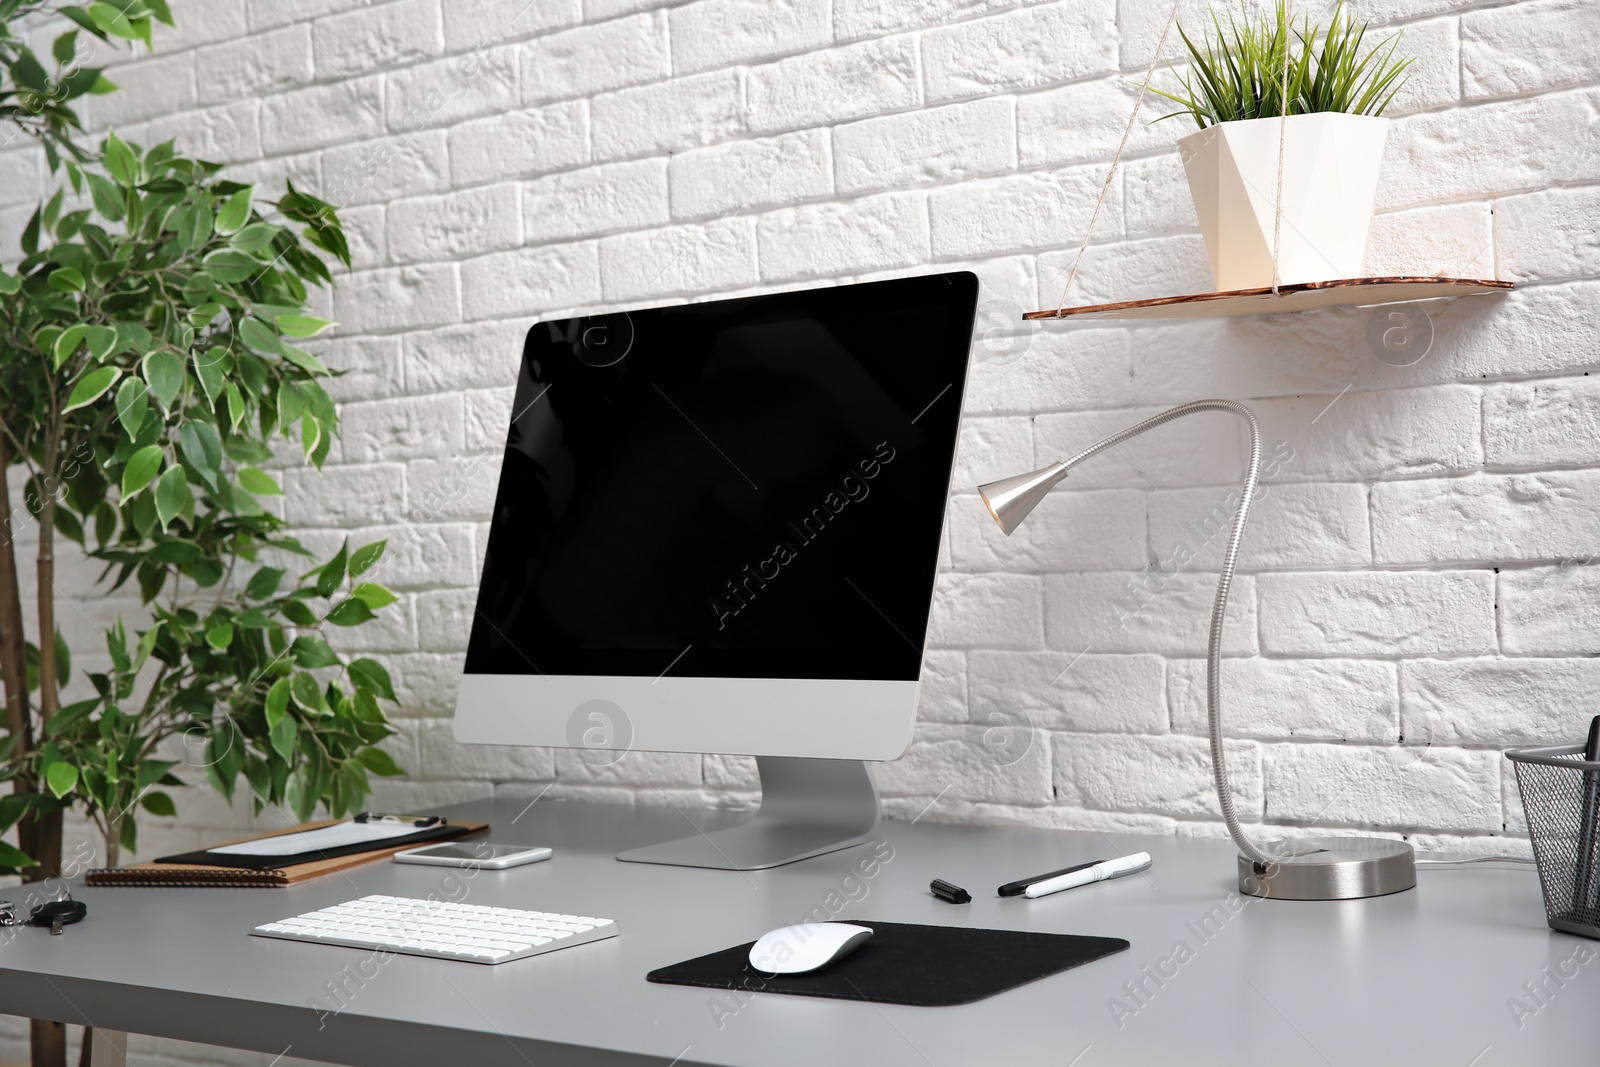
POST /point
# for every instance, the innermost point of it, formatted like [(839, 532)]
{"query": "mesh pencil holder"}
[(1561, 796)]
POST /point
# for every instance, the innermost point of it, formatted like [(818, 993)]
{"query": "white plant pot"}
[(1330, 180)]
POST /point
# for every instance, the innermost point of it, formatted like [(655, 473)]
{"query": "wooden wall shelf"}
[(1307, 296)]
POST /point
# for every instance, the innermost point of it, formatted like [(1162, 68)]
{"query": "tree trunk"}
[(49, 1042), (46, 593)]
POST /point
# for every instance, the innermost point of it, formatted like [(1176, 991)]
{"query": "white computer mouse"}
[(806, 947)]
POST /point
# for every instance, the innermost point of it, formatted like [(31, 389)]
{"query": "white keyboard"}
[(471, 932)]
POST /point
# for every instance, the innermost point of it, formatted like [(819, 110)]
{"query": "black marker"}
[(953, 894), (1016, 889)]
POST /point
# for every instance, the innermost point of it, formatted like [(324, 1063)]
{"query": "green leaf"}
[(62, 778), (122, 164), (132, 405), (350, 612), (202, 447), (373, 595), (312, 652), (258, 482), (259, 336), (140, 470), (160, 804), (230, 265), (12, 856), (63, 660), (283, 736), (304, 690), (362, 559), (330, 576), (211, 368), (254, 237), (304, 360), (370, 675), (379, 762), (164, 373), (263, 583), (70, 716), (220, 636), (302, 325), (172, 494), (107, 197), (66, 279), (277, 702), (193, 222), (67, 342), (236, 408), (102, 341), (9, 283), (65, 47), (235, 211), (299, 614), (92, 387)]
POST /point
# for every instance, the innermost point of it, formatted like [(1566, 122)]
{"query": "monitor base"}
[(808, 807)]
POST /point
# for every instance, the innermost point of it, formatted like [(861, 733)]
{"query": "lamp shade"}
[(1011, 499)]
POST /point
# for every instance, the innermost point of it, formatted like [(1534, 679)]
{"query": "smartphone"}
[(474, 854)]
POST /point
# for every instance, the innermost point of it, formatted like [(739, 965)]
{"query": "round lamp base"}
[(1330, 868)]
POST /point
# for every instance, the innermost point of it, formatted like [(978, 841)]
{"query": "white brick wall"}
[(1420, 588)]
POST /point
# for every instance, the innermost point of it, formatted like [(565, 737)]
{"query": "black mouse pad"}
[(903, 963)]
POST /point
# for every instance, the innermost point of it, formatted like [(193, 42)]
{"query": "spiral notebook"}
[(233, 865)]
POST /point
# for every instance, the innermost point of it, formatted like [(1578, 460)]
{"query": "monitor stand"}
[(808, 807)]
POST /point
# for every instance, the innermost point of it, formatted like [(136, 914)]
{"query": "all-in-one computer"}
[(716, 530)]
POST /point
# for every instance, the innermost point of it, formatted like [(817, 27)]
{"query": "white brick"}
[(1529, 48), (874, 233), (1547, 237), (1145, 612), (1385, 614), (1066, 691), (200, 22), (1092, 530), (530, 281), (943, 697), (226, 134), (834, 85), (1310, 524), (401, 429), (374, 172), (396, 33), (445, 757), (1169, 774), (450, 488), (488, 413), (606, 199), (1487, 518), (955, 756), (454, 226), (1084, 122), (1418, 431), (1002, 216), (148, 89), (1045, 367), (425, 683), (1454, 240), (269, 14), (254, 66), (341, 496), (1498, 702), (520, 144), (444, 619), (671, 116), (473, 356), (418, 556), (1207, 448), (448, 91), (1020, 50), (371, 365), (1434, 79), (1449, 789), (488, 22), (383, 301), (363, 231), (720, 33), (923, 147), (1125, 270), (989, 449), (325, 114), (1272, 699), (874, 18), (1551, 609), (994, 610), (1532, 424), (20, 179), (592, 59), (718, 255), (744, 174), (1491, 148)]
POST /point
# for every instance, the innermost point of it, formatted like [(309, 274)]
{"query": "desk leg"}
[(109, 1049)]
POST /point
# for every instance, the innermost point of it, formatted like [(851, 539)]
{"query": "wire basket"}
[(1561, 796)]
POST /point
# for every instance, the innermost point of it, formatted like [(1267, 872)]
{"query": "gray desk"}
[(1423, 977)]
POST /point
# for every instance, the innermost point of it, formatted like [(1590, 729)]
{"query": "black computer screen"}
[(750, 488)]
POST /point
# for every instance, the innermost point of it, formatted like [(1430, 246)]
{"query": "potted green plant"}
[(1296, 110), (148, 362)]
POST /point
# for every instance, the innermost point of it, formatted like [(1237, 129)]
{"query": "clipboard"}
[(194, 869)]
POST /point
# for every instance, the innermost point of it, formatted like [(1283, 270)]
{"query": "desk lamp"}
[(1316, 868)]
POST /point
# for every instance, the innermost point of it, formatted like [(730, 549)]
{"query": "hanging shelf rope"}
[(1267, 300)]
